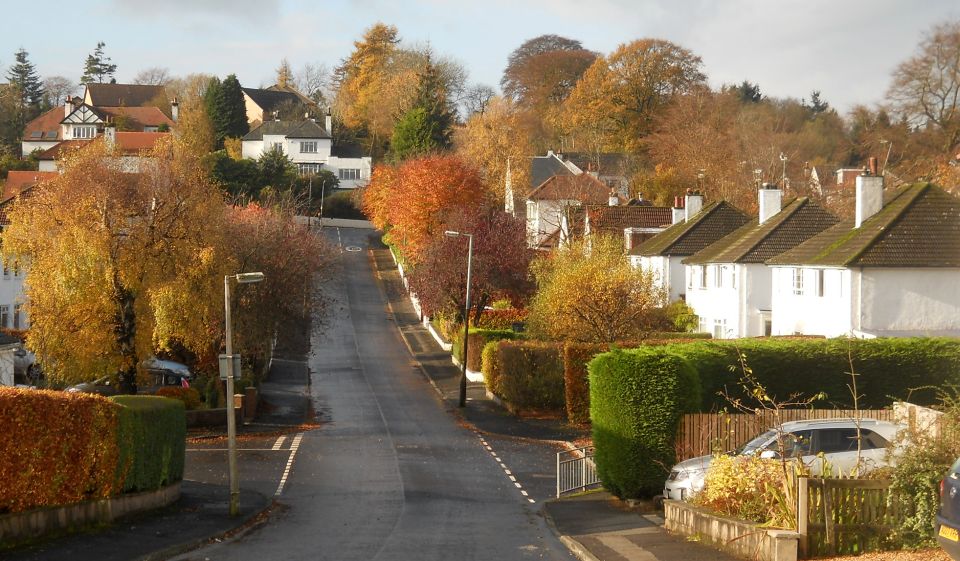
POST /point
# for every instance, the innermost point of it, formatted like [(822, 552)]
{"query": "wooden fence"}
[(843, 516), (703, 433)]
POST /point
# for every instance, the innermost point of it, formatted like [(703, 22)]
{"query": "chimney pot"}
[(872, 164)]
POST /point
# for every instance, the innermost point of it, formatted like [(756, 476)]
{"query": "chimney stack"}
[(67, 106), (677, 210), (771, 201), (614, 199), (174, 110), (869, 194), (692, 204), (110, 135), (328, 123)]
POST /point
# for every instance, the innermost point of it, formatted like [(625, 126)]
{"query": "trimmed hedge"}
[(189, 396), (490, 367), (529, 374), (501, 319), (638, 397), (478, 340), (151, 437), (55, 448), (888, 369), (577, 355)]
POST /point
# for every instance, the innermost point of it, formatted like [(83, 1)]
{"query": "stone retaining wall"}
[(737, 537), (31, 524)]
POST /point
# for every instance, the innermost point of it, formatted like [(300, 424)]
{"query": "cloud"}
[(197, 11)]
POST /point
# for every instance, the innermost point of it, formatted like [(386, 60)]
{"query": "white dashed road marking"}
[(279, 442), (294, 446), (505, 470)]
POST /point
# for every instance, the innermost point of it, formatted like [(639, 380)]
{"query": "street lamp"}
[(466, 315), (241, 278)]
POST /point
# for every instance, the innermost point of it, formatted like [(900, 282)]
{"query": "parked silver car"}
[(836, 439), (25, 367)]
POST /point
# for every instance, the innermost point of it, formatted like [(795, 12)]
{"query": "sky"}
[(846, 49)]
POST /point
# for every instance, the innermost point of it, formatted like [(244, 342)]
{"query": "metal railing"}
[(576, 470)]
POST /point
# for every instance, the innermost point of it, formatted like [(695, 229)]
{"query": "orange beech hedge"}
[(56, 448)]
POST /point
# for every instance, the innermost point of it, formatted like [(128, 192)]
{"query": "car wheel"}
[(33, 375)]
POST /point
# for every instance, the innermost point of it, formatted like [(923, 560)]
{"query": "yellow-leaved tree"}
[(590, 293)]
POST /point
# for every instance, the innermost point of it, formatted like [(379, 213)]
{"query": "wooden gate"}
[(843, 516)]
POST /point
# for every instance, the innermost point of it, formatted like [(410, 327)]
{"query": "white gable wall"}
[(669, 272), (805, 306), (908, 299), (738, 305)]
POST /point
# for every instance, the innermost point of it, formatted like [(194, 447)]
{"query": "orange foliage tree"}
[(410, 200)]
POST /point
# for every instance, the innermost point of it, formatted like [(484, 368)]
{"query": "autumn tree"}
[(590, 292), (117, 251), (410, 200), (153, 76), (926, 87), (98, 67), (426, 126), (494, 140), (477, 98), (313, 81), (57, 88), (616, 101), (542, 71), (284, 74)]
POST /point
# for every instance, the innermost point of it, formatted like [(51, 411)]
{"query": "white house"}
[(893, 271), (309, 146), (261, 104), (131, 148), (727, 283), (549, 205), (694, 228)]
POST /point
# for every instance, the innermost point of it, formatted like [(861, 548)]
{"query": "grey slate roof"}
[(918, 227), (543, 168), (289, 129), (268, 100), (606, 163), (123, 95), (798, 221), (713, 222)]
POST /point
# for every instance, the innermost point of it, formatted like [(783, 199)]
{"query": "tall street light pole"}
[(466, 315), (241, 278)]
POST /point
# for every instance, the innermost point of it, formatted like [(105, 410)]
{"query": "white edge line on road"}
[(238, 450), (503, 466), (279, 442), (294, 446)]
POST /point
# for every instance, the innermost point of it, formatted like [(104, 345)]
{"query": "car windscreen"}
[(757, 443)]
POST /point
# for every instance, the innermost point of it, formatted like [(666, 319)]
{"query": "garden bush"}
[(501, 319), (56, 448), (189, 396), (489, 365), (637, 398), (342, 204), (151, 437), (529, 375), (478, 339), (888, 369), (746, 487)]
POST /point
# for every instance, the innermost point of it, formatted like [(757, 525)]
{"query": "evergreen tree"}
[(226, 108), (26, 91), (98, 67), (427, 126)]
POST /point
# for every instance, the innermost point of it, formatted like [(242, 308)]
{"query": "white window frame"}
[(719, 328), (717, 276), (17, 315), (84, 131), (819, 284), (733, 277), (310, 168), (4, 315), (798, 281), (703, 277), (348, 174), (308, 146)]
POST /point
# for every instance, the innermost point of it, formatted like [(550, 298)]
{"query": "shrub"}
[(742, 486), (501, 319), (637, 398), (151, 437), (341, 205), (489, 365), (888, 368), (56, 448), (478, 339), (530, 374), (189, 396)]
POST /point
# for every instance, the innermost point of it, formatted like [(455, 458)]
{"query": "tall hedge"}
[(151, 437), (490, 366), (529, 374), (888, 369), (478, 339), (637, 398)]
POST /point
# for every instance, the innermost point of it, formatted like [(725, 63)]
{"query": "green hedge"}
[(529, 374), (490, 366), (152, 435), (888, 369), (478, 340), (638, 397)]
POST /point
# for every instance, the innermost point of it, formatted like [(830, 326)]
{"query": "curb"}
[(244, 527), (577, 549)]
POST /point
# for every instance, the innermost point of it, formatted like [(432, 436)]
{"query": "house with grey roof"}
[(261, 104), (694, 228), (310, 147), (892, 271), (728, 284)]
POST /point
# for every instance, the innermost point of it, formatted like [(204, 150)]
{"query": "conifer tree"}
[(427, 125), (226, 108), (98, 67), (26, 89)]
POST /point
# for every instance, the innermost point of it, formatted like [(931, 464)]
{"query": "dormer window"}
[(84, 131)]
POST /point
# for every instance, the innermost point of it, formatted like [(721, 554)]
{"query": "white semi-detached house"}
[(892, 271), (728, 284), (694, 228), (310, 147)]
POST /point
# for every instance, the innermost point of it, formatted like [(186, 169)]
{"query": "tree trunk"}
[(125, 329)]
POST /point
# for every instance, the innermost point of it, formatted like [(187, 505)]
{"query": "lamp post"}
[(241, 278), (466, 315), (323, 187)]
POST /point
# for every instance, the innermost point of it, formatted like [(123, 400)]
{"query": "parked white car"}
[(836, 439)]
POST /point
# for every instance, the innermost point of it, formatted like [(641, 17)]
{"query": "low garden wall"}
[(737, 537)]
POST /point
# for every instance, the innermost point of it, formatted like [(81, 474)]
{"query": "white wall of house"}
[(27, 147), (669, 272), (299, 149), (47, 165), (544, 217), (732, 300), (352, 172), (12, 298), (251, 149), (811, 301)]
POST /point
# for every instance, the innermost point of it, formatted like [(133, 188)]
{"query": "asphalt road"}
[(390, 474)]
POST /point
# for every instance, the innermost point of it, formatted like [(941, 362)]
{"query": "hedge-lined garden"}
[(61, 448)]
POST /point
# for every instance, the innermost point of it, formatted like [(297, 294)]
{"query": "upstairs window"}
[(348, 174), (702, 269), (84, 131), (308, 147), (818, 282), (798, 281), (718, 276)]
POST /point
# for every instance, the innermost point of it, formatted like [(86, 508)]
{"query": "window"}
[(719, 328), (718, 276), (689, 278), (349, 174), (310, 169), (5, 315), (818, 281), (308, 147), (733, 277), (702, 269), (6, 270), (85, 131), (16, 316), (798, 281)]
